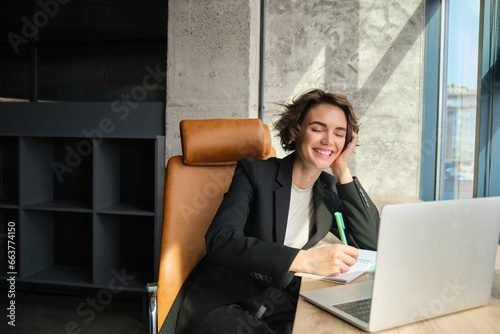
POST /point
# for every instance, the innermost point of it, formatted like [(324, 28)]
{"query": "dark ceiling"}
[(85, 20), (80, 50)]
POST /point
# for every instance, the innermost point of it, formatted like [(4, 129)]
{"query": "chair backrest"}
[(194, 186)]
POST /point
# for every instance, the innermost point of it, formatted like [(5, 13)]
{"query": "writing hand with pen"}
[(327, 260)]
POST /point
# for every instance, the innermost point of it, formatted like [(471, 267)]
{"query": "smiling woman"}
[(274, 212)]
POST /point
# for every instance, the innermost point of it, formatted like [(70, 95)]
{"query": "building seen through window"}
[(458, 143), (457, 139)]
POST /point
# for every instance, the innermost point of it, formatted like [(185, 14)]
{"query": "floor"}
[(49, 312)]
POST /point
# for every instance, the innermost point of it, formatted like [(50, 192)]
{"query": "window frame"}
[(487, 161), (431, 99)]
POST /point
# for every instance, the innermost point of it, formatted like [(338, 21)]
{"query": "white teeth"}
[(328, 153)]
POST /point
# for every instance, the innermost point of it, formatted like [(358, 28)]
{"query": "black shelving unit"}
[(85, 207)]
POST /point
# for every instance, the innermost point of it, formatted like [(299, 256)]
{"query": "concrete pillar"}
[(212, 62)]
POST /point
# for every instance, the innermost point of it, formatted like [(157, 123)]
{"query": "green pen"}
[(341, 226)]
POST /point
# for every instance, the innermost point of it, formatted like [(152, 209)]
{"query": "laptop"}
[(433, 258)]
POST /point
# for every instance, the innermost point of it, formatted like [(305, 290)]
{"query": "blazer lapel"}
[(325, 203), (323, 213), (282, 197)]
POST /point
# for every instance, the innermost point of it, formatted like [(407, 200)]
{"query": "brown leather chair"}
[(194, 186)]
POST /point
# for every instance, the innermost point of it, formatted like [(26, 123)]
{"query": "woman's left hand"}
[(339, 166)]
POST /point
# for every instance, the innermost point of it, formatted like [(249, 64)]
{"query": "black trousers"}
[(272, 312)]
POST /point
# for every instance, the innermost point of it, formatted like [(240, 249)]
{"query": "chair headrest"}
[(215, 142)]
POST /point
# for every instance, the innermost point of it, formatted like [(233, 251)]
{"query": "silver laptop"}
[(433, 258)]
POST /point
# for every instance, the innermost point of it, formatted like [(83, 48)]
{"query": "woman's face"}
[(322, 138)]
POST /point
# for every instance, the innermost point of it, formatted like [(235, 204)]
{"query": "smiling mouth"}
[(325, 153)]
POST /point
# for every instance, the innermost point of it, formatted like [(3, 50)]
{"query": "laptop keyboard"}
[(359, 309)]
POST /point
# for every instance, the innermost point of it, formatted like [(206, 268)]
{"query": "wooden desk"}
[(310, 319)]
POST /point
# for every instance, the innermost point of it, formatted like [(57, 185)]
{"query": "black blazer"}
[(245, 251)]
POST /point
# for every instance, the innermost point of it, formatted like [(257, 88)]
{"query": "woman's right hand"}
[(329, 260)]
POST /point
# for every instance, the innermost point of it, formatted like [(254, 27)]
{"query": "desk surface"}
[(310, 319)]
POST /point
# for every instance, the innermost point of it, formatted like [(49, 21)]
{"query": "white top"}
[(300, 217)]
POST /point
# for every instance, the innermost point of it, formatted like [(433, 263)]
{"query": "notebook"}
[(366, 261), (433, 258)]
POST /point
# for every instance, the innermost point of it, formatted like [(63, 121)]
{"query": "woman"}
[(273, 213)]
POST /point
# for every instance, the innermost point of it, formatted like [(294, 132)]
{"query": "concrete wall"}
[(370, 50)]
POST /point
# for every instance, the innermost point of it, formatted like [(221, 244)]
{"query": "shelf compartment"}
[(127, 209), (124, 177), (9, 172), (6, 203), (57, 173), (62, 206), (76, 276), (60, 247), (128, 242)]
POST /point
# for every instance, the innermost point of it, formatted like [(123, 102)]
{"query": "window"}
[(460, 143), (458, 88)]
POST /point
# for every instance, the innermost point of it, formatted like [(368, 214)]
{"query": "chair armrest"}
[(152, 289)]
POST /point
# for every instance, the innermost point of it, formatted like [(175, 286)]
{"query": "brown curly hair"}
[(289, 121)]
